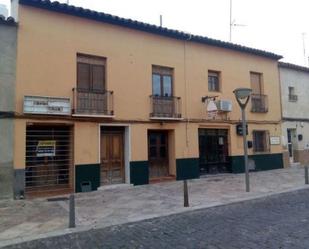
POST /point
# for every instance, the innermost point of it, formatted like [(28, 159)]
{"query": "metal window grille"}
[(48, 159), (261, 141)]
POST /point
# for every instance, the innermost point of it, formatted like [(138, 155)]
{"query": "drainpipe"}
[(185, 81)]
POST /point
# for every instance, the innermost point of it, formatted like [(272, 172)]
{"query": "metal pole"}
[(230, 20), (306, 175), (72, 211), (244, 134), (304, 48), (185, 194)]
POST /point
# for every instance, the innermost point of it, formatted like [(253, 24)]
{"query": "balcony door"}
[(162, 91), (91, 87), (158, 154), (258, 99), (256, 83)]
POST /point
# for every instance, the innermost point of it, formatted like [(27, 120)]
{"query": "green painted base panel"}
[(262, 162), (87, 173), (139, 172), (187, 168)]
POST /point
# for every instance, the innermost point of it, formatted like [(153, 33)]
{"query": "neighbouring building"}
[(105, 100), (8, 32), (295, 112), (3, 11)]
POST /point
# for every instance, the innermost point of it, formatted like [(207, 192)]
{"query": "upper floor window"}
[(292, 95), (91, 73), (213, 81), (256, 83), (260, 141), (259, 101), (162, 81)]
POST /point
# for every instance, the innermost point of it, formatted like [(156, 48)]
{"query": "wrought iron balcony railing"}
[(92, 102), (259, 103), (293, 97), (165, 107)]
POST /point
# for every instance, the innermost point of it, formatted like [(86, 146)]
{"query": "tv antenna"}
[(233, 21), (304, 49)]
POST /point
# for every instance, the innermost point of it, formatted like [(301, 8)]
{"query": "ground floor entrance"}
[(158, 154), (112, 155), (48, 159), (213, 151), (291, 135)]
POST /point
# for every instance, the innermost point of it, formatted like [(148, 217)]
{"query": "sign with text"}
[(275, 140), (46, 148), (47, 105)]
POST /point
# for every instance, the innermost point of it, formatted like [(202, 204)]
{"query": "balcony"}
[(293, 97), (165, 107), (93, 103), (259, 103)]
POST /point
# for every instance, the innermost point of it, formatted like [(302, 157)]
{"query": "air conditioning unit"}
[(224, 105)]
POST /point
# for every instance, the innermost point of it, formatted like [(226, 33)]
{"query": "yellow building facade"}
[(146, 122)]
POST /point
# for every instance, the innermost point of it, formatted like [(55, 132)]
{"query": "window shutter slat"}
[(98, 78), (83, 76)]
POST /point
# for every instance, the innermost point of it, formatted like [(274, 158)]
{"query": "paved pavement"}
[(275, 222), (29, 219)]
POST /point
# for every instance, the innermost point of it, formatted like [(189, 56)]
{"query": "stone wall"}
[(286, 159), (8, 30)]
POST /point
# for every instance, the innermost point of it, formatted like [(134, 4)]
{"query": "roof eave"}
[(128, 23)]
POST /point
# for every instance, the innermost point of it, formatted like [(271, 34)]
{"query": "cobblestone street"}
[(276, 222)]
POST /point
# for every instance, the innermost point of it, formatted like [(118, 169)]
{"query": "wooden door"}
[(158, 154), (213, 151), (112, 162)]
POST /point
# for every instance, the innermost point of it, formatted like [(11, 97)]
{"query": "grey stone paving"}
[(275, 222)]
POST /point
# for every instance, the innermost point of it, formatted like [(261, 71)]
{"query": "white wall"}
[(300, 81), (297, 112), (301, 128)]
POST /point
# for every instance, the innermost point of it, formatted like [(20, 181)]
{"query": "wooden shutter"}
[(98, 78), (83, 76), (90, 72), (256, 83)]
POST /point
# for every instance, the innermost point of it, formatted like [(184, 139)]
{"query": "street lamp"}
[(242, 96)]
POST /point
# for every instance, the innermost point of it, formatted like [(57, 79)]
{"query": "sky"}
[(272, 25)]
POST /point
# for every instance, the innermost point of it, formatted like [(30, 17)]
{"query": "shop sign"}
[(47, 105), (275, 140), (46, 148)]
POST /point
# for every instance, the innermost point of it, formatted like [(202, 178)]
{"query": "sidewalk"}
[(31, 218)]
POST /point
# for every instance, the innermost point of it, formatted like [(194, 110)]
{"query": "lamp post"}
[(242, 96)]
